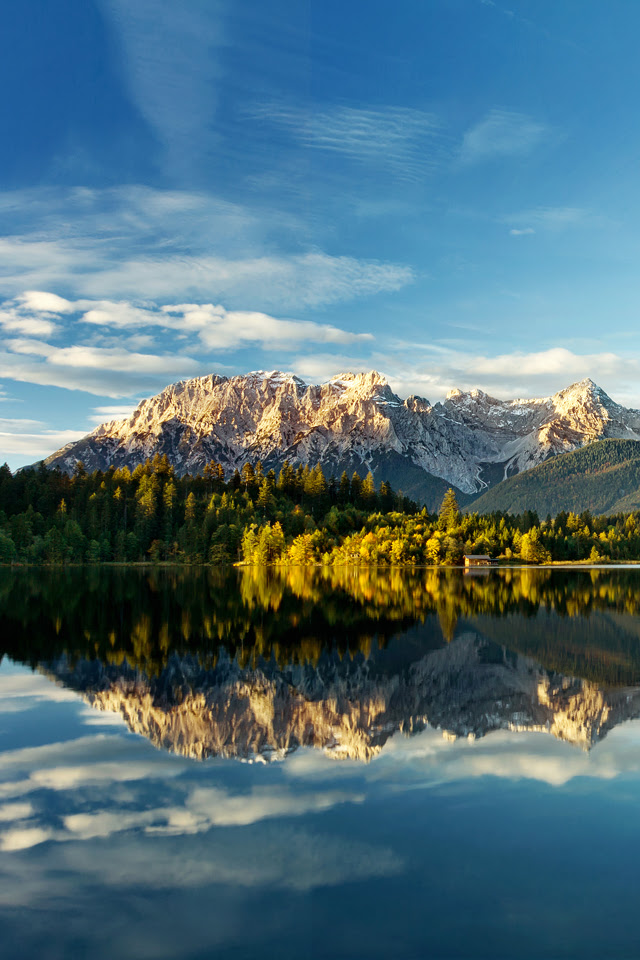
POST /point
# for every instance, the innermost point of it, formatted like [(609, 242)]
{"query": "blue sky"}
[(446, 191)]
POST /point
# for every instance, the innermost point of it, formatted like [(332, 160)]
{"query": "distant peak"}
[(582, 385), (475, 394), (371, 376)]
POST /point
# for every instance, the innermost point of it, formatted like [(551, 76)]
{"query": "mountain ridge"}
[(353, 422)]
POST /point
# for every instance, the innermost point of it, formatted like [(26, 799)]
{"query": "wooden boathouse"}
[(479, 560)]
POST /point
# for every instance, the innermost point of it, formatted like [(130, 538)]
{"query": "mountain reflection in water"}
[(253, 663)]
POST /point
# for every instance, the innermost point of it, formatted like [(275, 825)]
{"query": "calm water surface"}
[(340, 763)]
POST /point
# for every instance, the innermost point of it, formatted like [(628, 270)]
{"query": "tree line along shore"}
[(298, 517)]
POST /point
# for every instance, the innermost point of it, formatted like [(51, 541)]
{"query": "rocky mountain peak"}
[(475, 396), (586, 401), (417, 404), (370, 379), (583, 390)]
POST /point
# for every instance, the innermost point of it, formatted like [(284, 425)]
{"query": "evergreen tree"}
[(356, 489), (344, 490), (448, 514), (368, 491)]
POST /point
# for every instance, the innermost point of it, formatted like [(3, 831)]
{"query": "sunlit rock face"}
[(354, 421), (347, 708)]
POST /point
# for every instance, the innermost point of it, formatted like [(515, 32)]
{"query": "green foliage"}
[(151, 514), (297, 518), (603, 477)]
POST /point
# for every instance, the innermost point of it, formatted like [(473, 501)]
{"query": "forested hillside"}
[(297, 517), (152, 514), (603, 477)]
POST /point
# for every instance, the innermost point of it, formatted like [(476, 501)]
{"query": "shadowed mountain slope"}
[(603, 478)]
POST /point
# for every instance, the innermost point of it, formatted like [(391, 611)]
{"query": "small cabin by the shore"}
[(478, 560)]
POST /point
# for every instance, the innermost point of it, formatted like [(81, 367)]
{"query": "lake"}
[(329, 763)]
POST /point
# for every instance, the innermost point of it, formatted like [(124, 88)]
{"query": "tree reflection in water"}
[(263, 660)]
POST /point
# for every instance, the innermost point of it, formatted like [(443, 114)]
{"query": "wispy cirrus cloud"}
[(292, 282), (88, 243), (298, 281), (170, 63), (502, 133), (546, 218), (409, 141)]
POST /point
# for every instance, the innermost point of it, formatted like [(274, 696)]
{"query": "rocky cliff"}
[(353, 422)]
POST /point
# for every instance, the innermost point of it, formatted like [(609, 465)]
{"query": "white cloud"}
[(6, 423), (525, 231), (42, 302), (114, 367), (12, 322), (271, 856), (216, 327), (31, 347), (206, 807), (430, 370), (281, 281), (110, 365), (212, 806), (87, 761), (84, 242), (25, 689), (106, 414), (10, 812), (37, 446), (21, 838), (99, 358), (93, 717), (101, 382), (557, 360), (307, 280), (502, 133), (521, 374), (112, 371), (429, 759)]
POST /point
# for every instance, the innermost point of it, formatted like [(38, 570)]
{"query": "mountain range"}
[(471, 441)]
